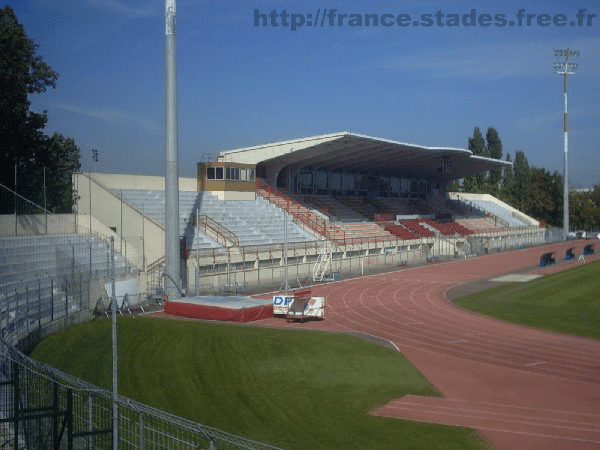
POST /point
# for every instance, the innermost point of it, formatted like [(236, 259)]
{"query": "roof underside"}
[(348, 152)]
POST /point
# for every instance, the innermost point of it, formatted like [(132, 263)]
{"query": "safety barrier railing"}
[(220, 233), (299, 212), (40, 407)]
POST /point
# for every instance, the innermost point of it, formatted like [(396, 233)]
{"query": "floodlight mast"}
[(566, 68), (172, 250)]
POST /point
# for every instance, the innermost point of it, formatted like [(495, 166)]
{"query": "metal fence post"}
[(90, 421), (69, 419), (80, 293), (66, 297), (52, 299), (39, 304), (17, 395), (142, 432), (115, 410), (27, 306)]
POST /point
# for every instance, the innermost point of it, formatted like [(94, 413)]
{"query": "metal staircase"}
[(324, 261)]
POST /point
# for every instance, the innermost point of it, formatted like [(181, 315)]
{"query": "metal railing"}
[(301, 215), (41, 407), (213, 229)]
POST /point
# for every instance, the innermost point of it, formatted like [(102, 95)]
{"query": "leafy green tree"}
[(545, 196), (595, 195), (453, 186), (506, 193), (494, 150), (584, 209), (476, 144), (522, 177), (23, 144)]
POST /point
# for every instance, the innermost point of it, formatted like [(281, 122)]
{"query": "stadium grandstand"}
[(337, 205), (352, 203)]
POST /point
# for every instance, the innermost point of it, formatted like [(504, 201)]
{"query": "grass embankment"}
[(294, 389), (567, 302)]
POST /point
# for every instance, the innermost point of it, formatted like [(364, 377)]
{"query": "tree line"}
[(37, 166), (532, 190)]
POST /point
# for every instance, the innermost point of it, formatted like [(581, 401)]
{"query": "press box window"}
[(214, 173), (247, 174), (233, 173)]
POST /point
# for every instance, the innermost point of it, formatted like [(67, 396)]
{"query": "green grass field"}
[(291, 388), (567, 302), (302, 389)]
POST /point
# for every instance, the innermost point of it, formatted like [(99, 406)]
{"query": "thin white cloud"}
[(499, 60), (540, 121), (114, 116), (124, 9)]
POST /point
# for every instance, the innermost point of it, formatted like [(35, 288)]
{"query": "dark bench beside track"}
[(547, 259), (569, 253)]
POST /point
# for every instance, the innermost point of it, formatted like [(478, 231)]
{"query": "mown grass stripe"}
[(294, 389)]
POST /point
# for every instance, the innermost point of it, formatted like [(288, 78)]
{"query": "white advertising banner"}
[(281, 304)]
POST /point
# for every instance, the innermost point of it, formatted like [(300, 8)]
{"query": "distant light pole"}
[(566, 68), (95, 158)]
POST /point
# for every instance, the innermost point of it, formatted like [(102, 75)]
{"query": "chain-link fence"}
[(48, 271), (41, 407), (50, 278)]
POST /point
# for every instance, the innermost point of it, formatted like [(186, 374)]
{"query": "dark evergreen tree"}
[(545, 196), (506, 193), (24, 148), (476, 144), (584, 209), (522, 176), (494, 150)]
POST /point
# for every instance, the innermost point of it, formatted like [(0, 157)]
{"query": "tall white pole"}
[(285, 252), (172, 255), (566, 68), (566, 163)]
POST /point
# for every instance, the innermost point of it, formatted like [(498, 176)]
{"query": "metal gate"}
[(37, 412)]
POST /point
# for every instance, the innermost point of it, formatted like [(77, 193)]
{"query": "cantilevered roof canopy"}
[(349, 152)]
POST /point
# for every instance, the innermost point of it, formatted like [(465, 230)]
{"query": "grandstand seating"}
[(415, 226), (368, 231), (342, 210), (449, 228), (35, 258), (471, 219), (502, 214), (477, 225), (400, 231), (396, 205), (355, 209), (254, 222), (301, 213)]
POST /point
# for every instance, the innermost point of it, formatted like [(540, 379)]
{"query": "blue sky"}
[(241, 85)]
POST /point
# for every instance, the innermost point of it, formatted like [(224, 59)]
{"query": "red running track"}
[(521, 387)]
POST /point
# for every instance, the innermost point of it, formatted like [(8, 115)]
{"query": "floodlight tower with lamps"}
[(95, 158), (565, 69)]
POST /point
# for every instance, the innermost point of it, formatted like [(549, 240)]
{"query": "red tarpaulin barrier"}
[(197, 311)]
